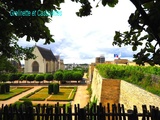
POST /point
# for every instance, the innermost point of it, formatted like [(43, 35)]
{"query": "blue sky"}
[(80, 40)]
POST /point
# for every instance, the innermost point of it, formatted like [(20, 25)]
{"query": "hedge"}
[(39, 77), (48, 77), (53, 88), (139, 75), (4, 88)]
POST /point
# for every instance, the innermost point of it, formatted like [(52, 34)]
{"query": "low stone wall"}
[(133, 95), (96, 86)]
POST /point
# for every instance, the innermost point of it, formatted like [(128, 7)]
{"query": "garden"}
[(44, 94), (53, 92), (7, 92)]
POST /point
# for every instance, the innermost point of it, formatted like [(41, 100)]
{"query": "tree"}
[(14, 26), (145, 30)]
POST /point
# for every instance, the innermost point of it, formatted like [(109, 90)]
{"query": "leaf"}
[(134, 48), (104, 2), (111, 3)]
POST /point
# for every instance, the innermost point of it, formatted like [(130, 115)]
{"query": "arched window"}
[(35, 66), (46, 67)]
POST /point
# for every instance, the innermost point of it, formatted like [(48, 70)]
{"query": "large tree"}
[(144, 32), (145, 26), (14, 25)]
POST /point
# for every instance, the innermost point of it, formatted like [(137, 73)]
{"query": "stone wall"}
[(130, 94), (96, 86), (133, 95)]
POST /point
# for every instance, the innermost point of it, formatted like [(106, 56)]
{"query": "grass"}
[(65, 94), (14, 91), (41, 94)]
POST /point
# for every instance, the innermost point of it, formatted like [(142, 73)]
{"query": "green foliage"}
[(145, 19), (39, 77), (58, 75), (67, 75), (48, 77), (50, 88), (12, 77), (139, 75), (13, 27), (27, 103), (30, 77), (77, 75), (53, 88), (4, 88), (6, 66), (3, 77), (23, 77)]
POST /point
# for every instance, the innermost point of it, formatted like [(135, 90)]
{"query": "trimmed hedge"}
[(53, 88), (4, 88), (48, 77), (58, 75), (39, 77), (30, 77)]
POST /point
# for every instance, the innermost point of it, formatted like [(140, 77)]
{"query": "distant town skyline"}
[(81, 40)]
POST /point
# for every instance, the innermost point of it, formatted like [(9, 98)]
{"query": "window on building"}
[(35, 66)]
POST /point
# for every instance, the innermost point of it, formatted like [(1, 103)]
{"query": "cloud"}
[(80, 40)]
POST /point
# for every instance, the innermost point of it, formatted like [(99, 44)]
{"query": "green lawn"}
[(13, 92), (42, 94), (65, 94)]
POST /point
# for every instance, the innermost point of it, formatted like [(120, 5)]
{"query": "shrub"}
[(39, 77), (4, 87), (3, 77), (53, 88), (50, 88), (30, 77), (23, 77), (58, 75), (48, 77), (12, 77), (27, 103), (7, 87), (67, 75), (77, 75)]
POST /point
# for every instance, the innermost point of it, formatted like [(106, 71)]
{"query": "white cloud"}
[(80, 40)]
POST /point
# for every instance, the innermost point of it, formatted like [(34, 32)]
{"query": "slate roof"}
[(46, 54)]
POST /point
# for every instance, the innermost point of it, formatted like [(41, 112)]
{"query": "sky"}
[(81, 39)]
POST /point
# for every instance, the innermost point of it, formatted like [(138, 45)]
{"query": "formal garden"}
[(50, 91)]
